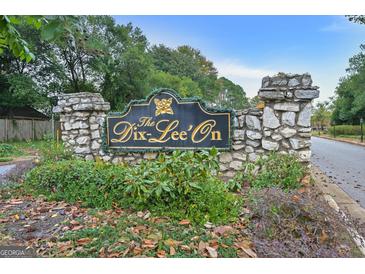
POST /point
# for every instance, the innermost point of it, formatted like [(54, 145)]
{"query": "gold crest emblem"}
[(163, 106)]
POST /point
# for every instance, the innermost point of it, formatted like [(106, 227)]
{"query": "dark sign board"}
[(166, 122)]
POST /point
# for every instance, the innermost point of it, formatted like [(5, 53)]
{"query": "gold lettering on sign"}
[(163, 137), (125, 133), (146, 122), (203, 129)]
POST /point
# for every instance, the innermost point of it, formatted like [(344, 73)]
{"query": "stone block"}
[(304, 118), (271, 94), (253, 122), (276, 137), (299, 143), (225, 157), (269, 145), (239, 134), (306, 94), (236, 165), (82, 150), (288, 118), (239, 156), (269, 118), (83, 140), (238, 147), (253, 135), (252, 143), (287, 106), (288, 132)]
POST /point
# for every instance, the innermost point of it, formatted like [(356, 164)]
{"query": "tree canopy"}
[(349, 105), (40, 55)]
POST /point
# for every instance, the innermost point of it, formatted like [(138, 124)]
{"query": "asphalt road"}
[(344, 163)]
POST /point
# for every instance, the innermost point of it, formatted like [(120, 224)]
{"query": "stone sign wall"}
[(282, 123)]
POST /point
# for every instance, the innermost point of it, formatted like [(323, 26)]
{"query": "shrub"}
[(8, 150), (345, 130), (52, 151), (280, 170), (180, 185)]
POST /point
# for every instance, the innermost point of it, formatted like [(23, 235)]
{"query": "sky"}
[(245, 49)]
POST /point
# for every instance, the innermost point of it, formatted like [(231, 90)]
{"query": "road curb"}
[(344, 202)]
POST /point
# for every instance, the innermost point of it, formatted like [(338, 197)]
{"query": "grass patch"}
[(6, 159)]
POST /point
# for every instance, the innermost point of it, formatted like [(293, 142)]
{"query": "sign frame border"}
[(145, 102)]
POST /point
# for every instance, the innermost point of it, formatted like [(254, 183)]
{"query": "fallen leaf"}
[(302, 190), (161, 253), (102, 252), (148, 243), (249, 252), (324, 237), (185, 247), (212, 252), (78, 227), (214, 244), (306, 180), (245, 246), (201, 246), (63, 246), (171, 242), (172, 251), (295, 198), (184, 222), (16, 201), (16, 216), (155, 236), (137, 250), (225, 229), (114, 255), (74, 222), (83, 241)]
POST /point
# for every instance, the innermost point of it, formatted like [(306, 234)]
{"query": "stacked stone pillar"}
[(282, 124), (287, 113), (82, 117)]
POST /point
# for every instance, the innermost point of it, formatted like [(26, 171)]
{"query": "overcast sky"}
[(247, 48)]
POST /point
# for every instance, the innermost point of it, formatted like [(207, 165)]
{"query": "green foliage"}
[(345, 130), (349, 105), (20, 90), (5, 159), (278, 170), (11, 39), (95, 54), (322, 115), (180, 185), (52, 151), (51, 27), (186, 62), (185, 86), (8, 150)]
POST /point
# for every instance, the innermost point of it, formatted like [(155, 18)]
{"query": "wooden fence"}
[(22, 129)]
